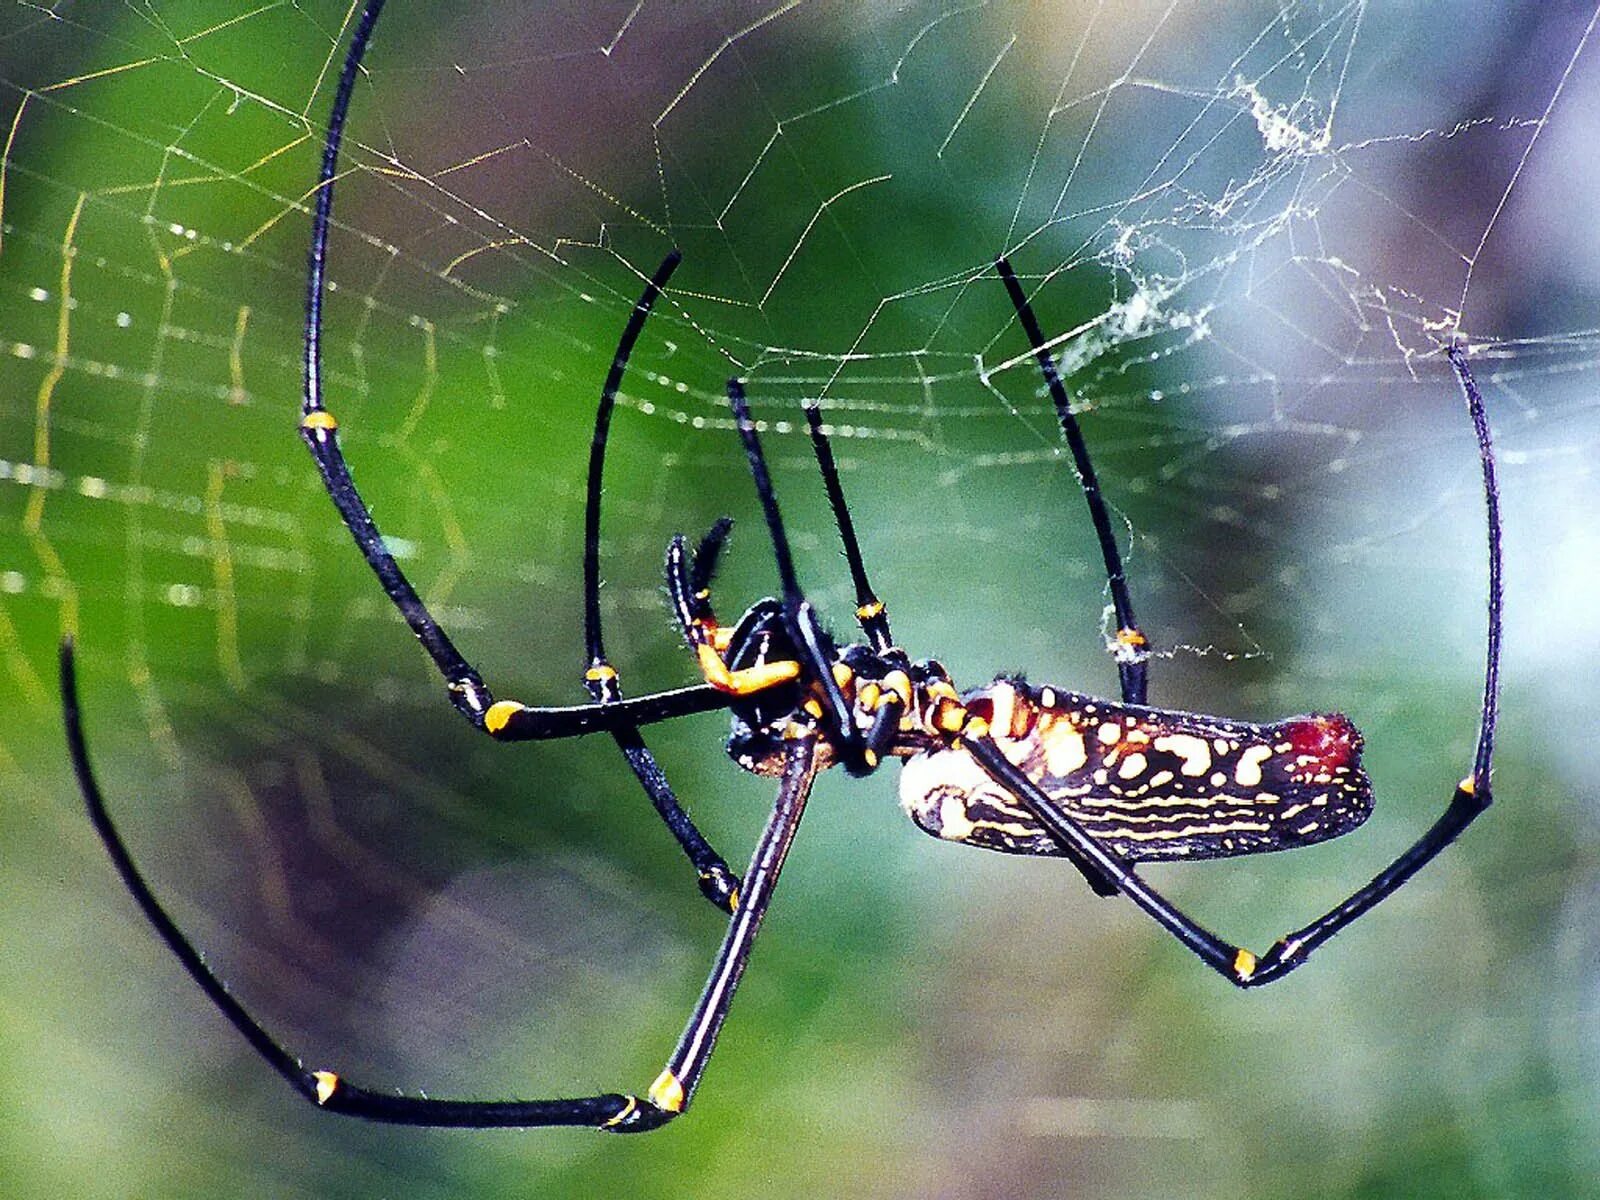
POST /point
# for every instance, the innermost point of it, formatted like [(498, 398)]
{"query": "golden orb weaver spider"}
[(1104, 784)]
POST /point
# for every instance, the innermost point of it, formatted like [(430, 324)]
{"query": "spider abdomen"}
[(1149, 783)]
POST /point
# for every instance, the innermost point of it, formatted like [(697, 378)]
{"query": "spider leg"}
[(888, 698), (675, 1086), (1132, 649), (815, 648), (615, 1111), (870, 613), (594, 640), (691, 602), (504, 720), (702, 570), (1471, 797), (1235, 963), (717, 881)]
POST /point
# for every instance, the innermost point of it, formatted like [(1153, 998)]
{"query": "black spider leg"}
[(886, 695), (1471, 797), (619, 1112), (689, 580), (718, 883), (814, 648), (870, 612), (689, 590), (672, 1091), (1132, 652), (506, 720)]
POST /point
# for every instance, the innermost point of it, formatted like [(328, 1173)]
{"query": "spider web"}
[(1248, 233)]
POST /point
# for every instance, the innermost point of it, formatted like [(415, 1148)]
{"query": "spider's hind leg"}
[(1470, 797)]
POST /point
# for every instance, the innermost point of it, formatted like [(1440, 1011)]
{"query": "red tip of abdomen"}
[(1322, 742)]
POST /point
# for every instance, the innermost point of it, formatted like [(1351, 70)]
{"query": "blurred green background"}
[(1249, 225)]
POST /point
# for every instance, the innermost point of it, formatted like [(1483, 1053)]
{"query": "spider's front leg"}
[(504, 720), (717, 881), (689, 586), (616, 1112)]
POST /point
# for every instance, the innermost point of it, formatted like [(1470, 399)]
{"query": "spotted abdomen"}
[(1149, 783)]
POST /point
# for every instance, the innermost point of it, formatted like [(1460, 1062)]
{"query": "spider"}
[(1008, 766)]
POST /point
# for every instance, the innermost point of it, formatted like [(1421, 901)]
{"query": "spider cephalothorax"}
[(1033, 770)]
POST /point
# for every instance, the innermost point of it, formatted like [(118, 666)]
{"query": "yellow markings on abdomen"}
[(1194, 751), (948, 794), (1004, 698), (1149, 785), (1248, 772), (1064, 751), (1133, 766), (954, 824)]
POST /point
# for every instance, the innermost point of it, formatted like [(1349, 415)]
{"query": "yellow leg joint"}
[(747, 681), (951, 716), (712, 666), (327, 1084), (319, 418), (1131, 637), (1469, 786), (1244, 964), (600, 673), (867, 611), (899, 683), (666, 1093), (500, 714)]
